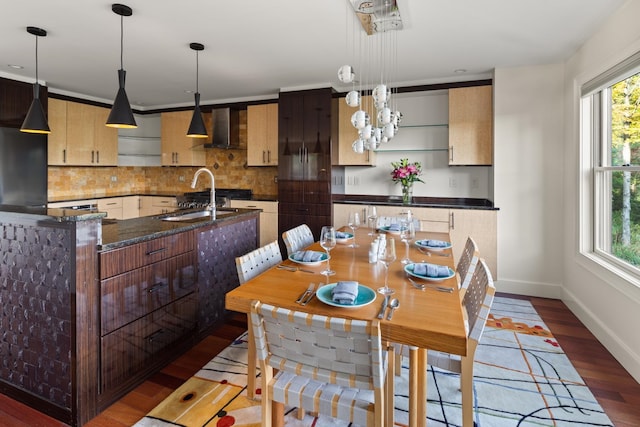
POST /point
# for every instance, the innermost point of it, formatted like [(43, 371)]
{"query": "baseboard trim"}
[(541, 290)]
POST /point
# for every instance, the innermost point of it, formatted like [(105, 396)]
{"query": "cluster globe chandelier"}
[(379, 19)]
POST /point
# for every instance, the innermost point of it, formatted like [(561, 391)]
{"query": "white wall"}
[(607, 304), (528, 176), (425, 144)]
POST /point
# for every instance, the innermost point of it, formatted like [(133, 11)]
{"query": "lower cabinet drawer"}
[(128, 351), (126, 297)]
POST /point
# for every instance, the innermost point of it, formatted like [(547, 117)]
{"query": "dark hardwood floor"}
[(617, 392)]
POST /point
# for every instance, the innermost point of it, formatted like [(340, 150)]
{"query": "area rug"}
[(522, 378)]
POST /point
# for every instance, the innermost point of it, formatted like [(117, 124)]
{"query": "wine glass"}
[(372, 218), (328, 242), (354, 223), (407, 234), (386, 255)]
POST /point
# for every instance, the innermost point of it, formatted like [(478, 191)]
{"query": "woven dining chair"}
[(297, 238), (257, 261), (467, 264), (477, 302), (249, 266), (331, 366)]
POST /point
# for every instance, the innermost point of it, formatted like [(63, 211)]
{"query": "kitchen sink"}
[(191, 216)]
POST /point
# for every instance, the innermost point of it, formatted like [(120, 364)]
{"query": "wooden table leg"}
[(251, 360), (417, 387), (277, 414)]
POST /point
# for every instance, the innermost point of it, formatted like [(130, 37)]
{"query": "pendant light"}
[(197, 128), (121, 115), (36, 121)]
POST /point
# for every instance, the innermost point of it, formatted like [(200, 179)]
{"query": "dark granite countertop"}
[(421, 202), (117, 194), (119, 233)]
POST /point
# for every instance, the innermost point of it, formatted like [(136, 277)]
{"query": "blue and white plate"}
[(385, 228), (422, 244), (348, 237), (323, 258), (366, 296), (409, 270)]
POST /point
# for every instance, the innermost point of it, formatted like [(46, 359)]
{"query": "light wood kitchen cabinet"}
[(130, 207), (79, 136), (262, 135), (177, 148), (482, 226), (347, 134), (157, 205), (471, 126), (112, 206), (268, 218)]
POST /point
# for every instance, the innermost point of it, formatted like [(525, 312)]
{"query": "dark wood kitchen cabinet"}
[(15, 100), (306, 128), (148, 304)]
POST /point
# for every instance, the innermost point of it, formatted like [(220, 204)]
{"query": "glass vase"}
[(407, 194)]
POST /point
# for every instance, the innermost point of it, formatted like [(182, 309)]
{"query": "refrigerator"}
[(23, 168)]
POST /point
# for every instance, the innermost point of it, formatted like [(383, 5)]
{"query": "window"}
[(611, 130)]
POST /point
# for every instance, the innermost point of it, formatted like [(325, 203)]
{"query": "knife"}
[(311, 295), (385, 301), (305, 293)]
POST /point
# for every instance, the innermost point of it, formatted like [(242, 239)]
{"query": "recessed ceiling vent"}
[(377, 16)]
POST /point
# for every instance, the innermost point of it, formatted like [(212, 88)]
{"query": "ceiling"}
[(255, 48)]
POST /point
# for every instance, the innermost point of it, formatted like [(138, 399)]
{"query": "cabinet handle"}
[(451, 154), (112, 203), (300, 154), (268, 156), (263, 157), (306, 155), (156, 286), (154, 335), (92, 156), (98, 156), (64, 155), (452, 224), (177, 159), (157, 251)]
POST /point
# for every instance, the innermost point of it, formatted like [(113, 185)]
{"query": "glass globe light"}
[(365, 132), (353, 98), (384, 116), (388, 130), (346, 74), (381, 93), (360, 119), (358, 146)]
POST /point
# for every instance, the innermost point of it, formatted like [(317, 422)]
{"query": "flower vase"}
[(407, 193)]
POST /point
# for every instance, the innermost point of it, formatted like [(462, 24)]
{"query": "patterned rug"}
[(522, 378)]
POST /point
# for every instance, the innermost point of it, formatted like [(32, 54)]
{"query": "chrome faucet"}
[(212, 197)]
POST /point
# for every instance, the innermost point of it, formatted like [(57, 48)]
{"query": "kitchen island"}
[(90, 309)]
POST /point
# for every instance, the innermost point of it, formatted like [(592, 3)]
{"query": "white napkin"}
[(345, 292), (436, 243), (430, 270), (342, 235), (307, 256)]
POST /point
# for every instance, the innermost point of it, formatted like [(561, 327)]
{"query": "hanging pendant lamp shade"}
[(36, 120), (197, 128), (121, 115)]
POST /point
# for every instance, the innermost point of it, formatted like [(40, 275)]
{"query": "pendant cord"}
[(197, 71), (121, 42), (36, 59)]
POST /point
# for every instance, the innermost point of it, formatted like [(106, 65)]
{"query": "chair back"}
[(467, 263), (297, 238), (257, 261), (478, 299), (332, 350)]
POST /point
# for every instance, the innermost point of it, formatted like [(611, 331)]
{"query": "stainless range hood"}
[(226, 125)]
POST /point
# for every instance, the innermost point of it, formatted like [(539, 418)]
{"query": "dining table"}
[(426, 319)]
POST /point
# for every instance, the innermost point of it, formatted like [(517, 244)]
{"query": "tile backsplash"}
[(228, 167)]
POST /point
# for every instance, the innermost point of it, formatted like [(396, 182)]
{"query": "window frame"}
[(595, 139)]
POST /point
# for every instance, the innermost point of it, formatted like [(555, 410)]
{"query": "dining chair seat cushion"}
[(430, 270), (345, 292), (323, 398)]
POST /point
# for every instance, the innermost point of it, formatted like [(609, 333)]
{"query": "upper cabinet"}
[(262, 135), (347, 134), (79, 136), (471, 126), (177, 148), (15, 100)]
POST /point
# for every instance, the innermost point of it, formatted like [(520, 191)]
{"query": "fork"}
[(423, 286), (311, 295), (306, 293)]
